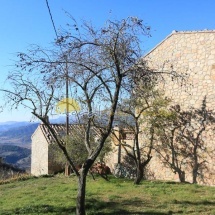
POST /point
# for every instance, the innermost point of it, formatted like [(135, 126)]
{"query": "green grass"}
[(57, 195)]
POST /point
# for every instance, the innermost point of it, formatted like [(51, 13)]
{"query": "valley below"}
[(15, 143)]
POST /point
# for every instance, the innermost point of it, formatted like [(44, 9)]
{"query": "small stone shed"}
[(42, 159)]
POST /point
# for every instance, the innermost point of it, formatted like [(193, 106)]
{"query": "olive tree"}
[(143, 102)]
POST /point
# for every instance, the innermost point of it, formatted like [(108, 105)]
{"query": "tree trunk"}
[(139, 174), (181, 175), (67, 171), (194, 177), (80, 202), (195, 166), (195, 172)]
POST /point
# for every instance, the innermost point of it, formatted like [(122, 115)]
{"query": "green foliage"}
[(77, 150), (105, 150), (139, 113), (56, 195)]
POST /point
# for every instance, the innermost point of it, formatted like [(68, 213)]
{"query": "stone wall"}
[(192, 55), (39, 153), (120, 136)]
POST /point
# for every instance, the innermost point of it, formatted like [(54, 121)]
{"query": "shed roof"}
[(75, 130)]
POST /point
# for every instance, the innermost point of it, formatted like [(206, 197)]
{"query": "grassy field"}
[(56, 195)]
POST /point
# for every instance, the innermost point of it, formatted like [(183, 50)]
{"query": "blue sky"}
[(26, 22)]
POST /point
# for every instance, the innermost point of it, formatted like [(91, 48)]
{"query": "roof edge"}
[(179, 32), (38, 127)]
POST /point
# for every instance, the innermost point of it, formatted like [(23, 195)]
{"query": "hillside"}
[(15, 143), (5, 126), (17, 134), (57, 195), (18, 156)]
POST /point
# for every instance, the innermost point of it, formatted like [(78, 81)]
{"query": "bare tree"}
[(96, 63)]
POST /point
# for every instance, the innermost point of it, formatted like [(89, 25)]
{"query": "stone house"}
[(42, 157), (191, 53), (40, 160), (187, 52)]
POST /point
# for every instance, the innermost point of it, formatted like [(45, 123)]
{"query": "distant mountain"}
[(15, 142), (5, 126), (24, 163), (18, 135), (62, 119), (15, 155)]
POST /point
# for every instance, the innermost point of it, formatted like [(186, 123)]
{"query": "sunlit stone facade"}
[(191, 54)]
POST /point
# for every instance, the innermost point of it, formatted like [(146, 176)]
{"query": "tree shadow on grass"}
[(204, 202), (95, 207), (40, 209)]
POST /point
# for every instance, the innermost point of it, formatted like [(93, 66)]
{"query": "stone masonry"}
[(42, 157), (191, 54), (39, 153)]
